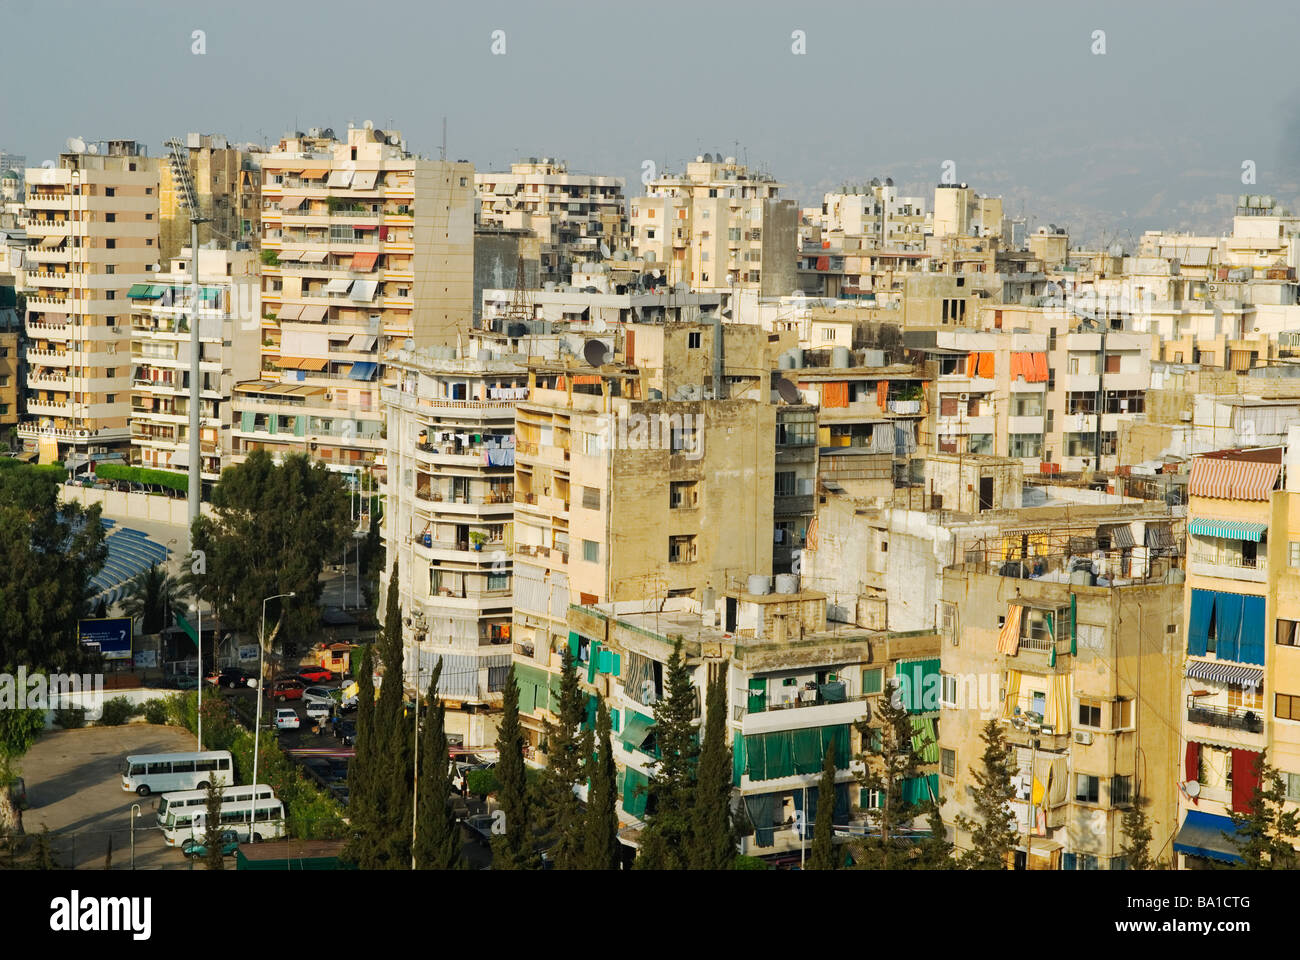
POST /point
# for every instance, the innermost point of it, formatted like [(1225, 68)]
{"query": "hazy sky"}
[(1152, 133)]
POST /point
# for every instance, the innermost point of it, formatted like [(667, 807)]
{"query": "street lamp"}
[(257, 727), (135, 814), (417, 635)]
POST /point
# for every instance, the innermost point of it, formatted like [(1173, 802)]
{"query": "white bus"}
[(172, 803), (169, 772), (264, 819)]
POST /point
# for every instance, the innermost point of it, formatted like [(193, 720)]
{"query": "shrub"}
[(749, 863), (482, 782), (116, 712), (72, 718), (155, 712)]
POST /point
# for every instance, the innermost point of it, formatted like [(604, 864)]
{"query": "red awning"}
[(364, 261), (1232, 479)]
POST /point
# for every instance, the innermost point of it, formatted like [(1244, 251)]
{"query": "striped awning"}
[(1232, 479), (1228, 529), (1121, 535), (1219, 672)]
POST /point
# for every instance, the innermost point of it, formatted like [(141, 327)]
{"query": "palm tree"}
[(154, 597)]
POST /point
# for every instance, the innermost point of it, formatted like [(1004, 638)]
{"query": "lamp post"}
[(416, 636), (135, 813), (257, 727)]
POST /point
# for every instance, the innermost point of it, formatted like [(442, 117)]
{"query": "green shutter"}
[(757, 695), (573, 645), (300, 426), (925, 739), (737, 759), (756, 756), (618, 665), (807, 750), (635, 792), (919, 691), (614, 717), (249, 421), (593, 657), (873, 680), (1074, 625)]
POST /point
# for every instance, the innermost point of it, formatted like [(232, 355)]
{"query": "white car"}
[(319, 695), (286, 718), (318, 710)]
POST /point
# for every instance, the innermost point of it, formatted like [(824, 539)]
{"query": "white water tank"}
[(759, 585), (787, 583)]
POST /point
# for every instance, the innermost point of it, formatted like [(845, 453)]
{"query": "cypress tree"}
[(568, 747), (392, 778), (1136, 847), (993, 834), (822, 856), (1266, 830), (890, 759), (714, 844), (515, 848), (361, 768), (212, 828), (670, 806), (600, 840), (935, 852), (437, 843)]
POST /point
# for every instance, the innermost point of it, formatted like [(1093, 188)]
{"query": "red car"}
[(284, 690), (315, 674)]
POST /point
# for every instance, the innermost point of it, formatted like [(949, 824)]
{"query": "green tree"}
[(272, 528), (823, 856), (714, 844), (1266, 830), (18, 731), (890, 759), (154, 598), (212, 828), (600, 841), (993, 834), (934, 852), (1136, 848), (515, 848), (395, 776), (362, 767), (670, 805), (568, 747), (437, 842), (48, 553)]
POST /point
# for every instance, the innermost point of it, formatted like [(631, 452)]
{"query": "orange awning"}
[(313, 363), (364, 261), (315, 174), (289, 363), (835, 393)]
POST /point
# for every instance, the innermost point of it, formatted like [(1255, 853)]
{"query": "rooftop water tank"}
[(841, 358), (759, 585), (787, 583)]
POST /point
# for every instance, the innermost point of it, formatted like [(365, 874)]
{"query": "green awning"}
[(920, 684), (635, 792), (925, 739), (1227, 529), (638, 729), (140, 291)]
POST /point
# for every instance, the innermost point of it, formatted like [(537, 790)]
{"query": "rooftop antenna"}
[(443, 152)]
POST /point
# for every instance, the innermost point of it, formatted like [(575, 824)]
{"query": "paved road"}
[(74, 787)]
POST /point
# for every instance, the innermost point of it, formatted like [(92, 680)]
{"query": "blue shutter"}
[(1227, 617), (1252, 631), (1067, 861), (1198, 622)]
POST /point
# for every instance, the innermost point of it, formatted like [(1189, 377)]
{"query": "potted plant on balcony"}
[(477, 538)]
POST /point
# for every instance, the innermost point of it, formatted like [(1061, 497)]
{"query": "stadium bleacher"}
[(130, 553)]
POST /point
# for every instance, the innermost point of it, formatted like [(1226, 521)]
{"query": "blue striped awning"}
[(1217, 671), (1228, 529)]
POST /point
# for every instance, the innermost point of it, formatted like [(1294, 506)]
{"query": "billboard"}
[(111, 636)]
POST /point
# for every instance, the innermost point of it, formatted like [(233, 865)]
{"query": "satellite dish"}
[(394, 139), (596, 353), (655, 274), (604, 250), (788, 391), (93, 148), (76, 144), (1193, 788), (328, 133)]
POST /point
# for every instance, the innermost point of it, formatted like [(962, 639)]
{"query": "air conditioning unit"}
[(963, 397), (1082, 736)]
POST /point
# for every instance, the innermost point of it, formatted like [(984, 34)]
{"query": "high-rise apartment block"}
[(228, 185)]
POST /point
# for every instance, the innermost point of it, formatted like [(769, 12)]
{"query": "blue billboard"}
[(111, 636)]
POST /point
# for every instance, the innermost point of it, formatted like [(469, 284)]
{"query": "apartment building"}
[(93, 228), (365, 247), (634, 478), (572, 214), (229, 338), (717, 226), (1241, 675), (11, 332), (960, 211), (228, 185), (599, 300), (796, 683), (450, 500), (1068, 636)]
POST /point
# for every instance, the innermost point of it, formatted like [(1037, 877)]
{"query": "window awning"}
[(289, 363), (1159, 536), (338, 285), (315, 174), (340, 178), (1121, 535), (505, 189), (363, 370), (362, 341), (314, 256), (1232, 479), (288, 204), (1219, 672), (49, 242), (365, 179), (140, 291), (313, 314), (364, 261), (288, 255), (1228, 529), (637, 732), (365, 290), (289, 312), (365, 226), (313, 363), (1208, 835), (341, 337)]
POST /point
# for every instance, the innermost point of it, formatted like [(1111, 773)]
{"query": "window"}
[(1293, 553), (693, 340), (1246, 698), (1121, 714), (683, 493), (948, 762), (785, 483), (948, 406), (1286, 633), (681, 549), (948, 690), (1112, 363), (591, 551), (1026, 404), (1025, 445), (110, 191), (1121, 791), (591, 444), (498, 581), (1292, 781), (110, 218), (683, 439), (110, 243), (591, 498), (182, 766), (1087, 788), (1287, 707), (110, 268), (873, 680), (1089, 714)]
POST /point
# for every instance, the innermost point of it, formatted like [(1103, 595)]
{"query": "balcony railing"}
[(817, 700), (1227, 717)]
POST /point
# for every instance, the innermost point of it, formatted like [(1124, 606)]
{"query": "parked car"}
[(315, 674), (319, 711), (284, 690), (319, 695), (345, 731), (195, 848), (232, 677), (286, 718)]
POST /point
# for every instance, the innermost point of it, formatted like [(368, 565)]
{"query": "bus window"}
[(164, 767), (182, 766), (223, 763), (202, 765), (137, 769)]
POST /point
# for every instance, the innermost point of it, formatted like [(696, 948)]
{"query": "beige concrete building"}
[(365, 246), (229, 335), (10, 360), (228, 184), (960, 211), (717, 226), (93, 224)]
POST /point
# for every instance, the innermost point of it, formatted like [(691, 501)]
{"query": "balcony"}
[(1227, 718), (1230, 566)]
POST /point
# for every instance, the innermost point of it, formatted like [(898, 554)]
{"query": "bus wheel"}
[(257, 838), (203, 785), (143, 790)]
